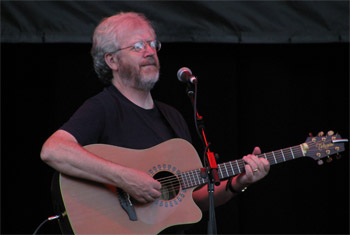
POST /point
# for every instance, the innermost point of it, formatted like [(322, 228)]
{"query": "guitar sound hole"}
[(170, 184)]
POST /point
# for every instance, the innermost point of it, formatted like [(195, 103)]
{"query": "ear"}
[(111, 61)]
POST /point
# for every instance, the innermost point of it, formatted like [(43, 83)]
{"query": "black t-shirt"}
[(110, 118)]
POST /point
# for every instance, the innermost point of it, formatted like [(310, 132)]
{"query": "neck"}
[(141, 98)]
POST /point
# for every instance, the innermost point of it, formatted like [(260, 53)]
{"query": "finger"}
[(266, 164), (157, 185), (248, 172), (141, 199), (251, 163), (155, 194), (256, 151), (146, 199), (254, 161)]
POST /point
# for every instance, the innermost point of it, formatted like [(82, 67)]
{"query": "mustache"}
[(150, 61)]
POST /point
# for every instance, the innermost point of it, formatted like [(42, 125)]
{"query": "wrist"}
[(233, 181)]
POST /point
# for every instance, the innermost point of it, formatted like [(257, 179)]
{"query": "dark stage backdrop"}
[(182, 21), (270, 96)]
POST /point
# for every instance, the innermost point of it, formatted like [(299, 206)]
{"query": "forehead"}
[(135, 30)]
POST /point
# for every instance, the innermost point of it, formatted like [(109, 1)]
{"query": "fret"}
[(192, 178), (220, 172), (265, 156), (284, 159), (233, 171), (292, 152), (226, 170), (223, 171), (185, 179), (182, 180), (301, 148), (201, 180), (196, 177), (239, 170), (274, 157), (287, 154), (242, 163), (279, 156)]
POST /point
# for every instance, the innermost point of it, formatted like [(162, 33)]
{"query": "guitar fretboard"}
[(193, 178)]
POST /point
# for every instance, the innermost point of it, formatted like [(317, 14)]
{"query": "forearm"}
[(255, 169), (221, 193), (62, 152)]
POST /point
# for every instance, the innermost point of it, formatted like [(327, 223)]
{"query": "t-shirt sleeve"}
[(87, 123)]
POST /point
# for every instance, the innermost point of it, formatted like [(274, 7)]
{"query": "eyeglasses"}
[(141, 45)]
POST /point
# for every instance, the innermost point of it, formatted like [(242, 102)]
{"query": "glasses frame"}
[(156, 45)]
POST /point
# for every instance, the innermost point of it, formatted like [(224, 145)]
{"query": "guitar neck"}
[(194, 178)]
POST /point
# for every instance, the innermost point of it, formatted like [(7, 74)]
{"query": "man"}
[(124, 114)]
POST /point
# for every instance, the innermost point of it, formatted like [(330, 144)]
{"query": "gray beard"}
[(140, 83), (147, 85), (132, 77)]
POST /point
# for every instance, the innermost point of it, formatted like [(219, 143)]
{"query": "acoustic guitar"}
[(93, 208)]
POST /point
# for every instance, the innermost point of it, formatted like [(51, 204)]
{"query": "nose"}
[(149, 51)]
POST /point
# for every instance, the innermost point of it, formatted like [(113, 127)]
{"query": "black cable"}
[(195, 114)]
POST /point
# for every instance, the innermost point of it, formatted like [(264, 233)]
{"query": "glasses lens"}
[(155, 45), (139, 46)]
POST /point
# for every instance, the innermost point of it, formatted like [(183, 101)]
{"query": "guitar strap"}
[(175, 120)]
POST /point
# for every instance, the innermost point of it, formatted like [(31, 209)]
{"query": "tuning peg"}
[(330, 133), (329, 159), (320, 162), (321, 133)]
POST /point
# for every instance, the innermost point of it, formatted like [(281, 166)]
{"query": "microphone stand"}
[(212, 169)]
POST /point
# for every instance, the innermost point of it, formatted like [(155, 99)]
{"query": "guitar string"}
[(192, 181), (278, 155)]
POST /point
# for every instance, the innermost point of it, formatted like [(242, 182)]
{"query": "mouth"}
[(147, 65), (149, 62)]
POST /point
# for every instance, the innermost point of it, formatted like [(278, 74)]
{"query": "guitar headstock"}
[(321, 146)]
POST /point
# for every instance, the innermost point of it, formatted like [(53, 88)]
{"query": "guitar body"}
[(94, 208)]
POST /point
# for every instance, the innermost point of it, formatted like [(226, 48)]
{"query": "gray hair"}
[(105, 40)]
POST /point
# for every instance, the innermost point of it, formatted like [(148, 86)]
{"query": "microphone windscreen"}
[(183, 74)]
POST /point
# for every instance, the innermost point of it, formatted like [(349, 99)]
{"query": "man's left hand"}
[(255, 169)]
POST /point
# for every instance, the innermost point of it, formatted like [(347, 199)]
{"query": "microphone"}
[(185, 75)]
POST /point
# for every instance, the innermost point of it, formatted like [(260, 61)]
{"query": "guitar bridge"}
[(126, 204)]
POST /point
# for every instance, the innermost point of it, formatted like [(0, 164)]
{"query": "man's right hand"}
[(140, 186)]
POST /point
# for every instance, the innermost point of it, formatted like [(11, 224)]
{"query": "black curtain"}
[(182, 21)]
